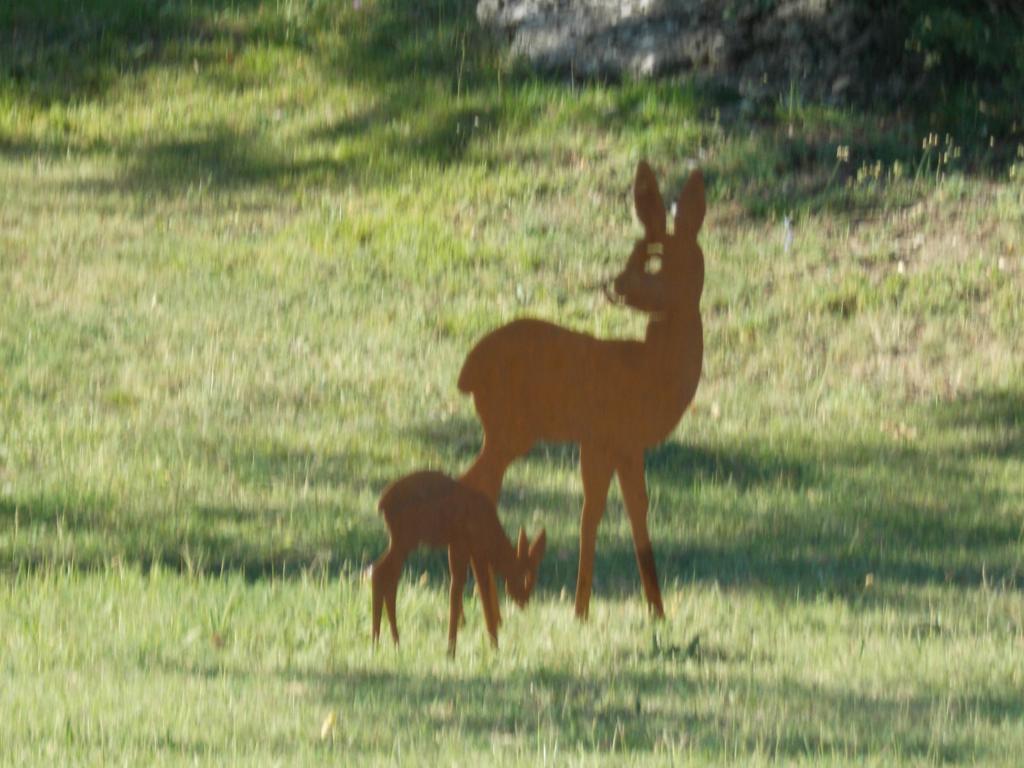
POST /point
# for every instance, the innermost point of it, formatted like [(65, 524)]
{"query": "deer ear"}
[(521, 550), (650, 208), (691, 206)]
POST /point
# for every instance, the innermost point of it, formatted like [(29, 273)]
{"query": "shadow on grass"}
[(61, 51), (639, 707), (406, 54), (439, 84), (227, 158), (652, 709), (798, 523), (992, 424)]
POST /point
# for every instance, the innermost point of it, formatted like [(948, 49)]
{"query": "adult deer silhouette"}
[(435, 510), (532, 380)]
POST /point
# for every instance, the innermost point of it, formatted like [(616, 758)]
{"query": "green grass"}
[(244, 249), (167, 669)]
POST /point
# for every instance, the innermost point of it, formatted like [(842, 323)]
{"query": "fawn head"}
[(528, 557), (665, 271)]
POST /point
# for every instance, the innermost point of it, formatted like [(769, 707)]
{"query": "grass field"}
[(244, 248)]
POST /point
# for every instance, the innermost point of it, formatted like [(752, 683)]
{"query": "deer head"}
[(665, 271), (528, 557)]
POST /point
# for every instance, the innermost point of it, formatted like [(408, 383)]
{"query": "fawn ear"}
[(691, 206), (521, 550), (650, 208)]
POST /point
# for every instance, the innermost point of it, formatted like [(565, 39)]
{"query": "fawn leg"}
[(597, 468), (458, 562), (488, 600), (634, 493), (384, 580), (378, 600), (393, 575)]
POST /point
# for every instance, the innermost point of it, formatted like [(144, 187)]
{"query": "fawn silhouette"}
[(532, 380), (435, 510)]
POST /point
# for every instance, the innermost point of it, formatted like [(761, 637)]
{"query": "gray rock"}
[(762, 44)]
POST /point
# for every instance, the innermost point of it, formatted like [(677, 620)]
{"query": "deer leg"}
[(597, 468), (634, 493), (384, 579), (458, 562), (488, 600)]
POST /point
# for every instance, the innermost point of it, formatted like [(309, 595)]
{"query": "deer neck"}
[(673, 357), (675, 338)]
